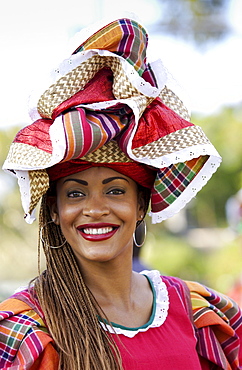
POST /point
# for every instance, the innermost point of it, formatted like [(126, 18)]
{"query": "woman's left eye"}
[(116, 191)]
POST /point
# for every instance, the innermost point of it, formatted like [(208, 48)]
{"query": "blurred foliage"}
[(224, 131), (173, 255), (197, 21), (18, 246), (217, 264)]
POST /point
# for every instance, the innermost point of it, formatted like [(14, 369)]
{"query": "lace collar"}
[(159, 310)]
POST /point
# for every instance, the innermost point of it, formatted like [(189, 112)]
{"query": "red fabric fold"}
[(37, 135), (156, 122), (98, 89)]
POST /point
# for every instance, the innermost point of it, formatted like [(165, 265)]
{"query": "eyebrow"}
[(82, 182), (105, 181)]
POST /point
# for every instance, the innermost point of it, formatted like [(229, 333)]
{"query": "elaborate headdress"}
[(106, 98)]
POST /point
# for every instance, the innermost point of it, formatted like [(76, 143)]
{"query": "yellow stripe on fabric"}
[(198, 301), (198, 288), (196, 164), (70, 137), (112, 36), (106, 39)]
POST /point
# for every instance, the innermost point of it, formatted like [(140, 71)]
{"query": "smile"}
[(98, 232), (103, 230)]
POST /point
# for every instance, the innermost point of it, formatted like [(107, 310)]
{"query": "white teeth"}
[(103, 230)]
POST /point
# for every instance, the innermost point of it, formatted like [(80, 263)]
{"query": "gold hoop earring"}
[(42, 239)]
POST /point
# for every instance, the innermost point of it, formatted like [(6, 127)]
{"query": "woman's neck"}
[(124, 296), (109, 280)]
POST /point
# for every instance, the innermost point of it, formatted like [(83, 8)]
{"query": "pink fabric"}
[(170, 346)]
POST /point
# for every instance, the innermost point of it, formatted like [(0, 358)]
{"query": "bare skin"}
[(97, 210)]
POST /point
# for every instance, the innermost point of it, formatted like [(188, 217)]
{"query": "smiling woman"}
[(110, 139), (97, 205)]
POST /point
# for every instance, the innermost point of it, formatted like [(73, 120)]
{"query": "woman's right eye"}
[(75, 194)]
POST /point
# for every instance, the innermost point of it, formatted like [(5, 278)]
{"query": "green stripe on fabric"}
[(77, 132), (97, 136)]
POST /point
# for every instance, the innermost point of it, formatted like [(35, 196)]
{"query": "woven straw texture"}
[(28, 156), (172, 101), (76, 80), (39, 184), (108, 153), (178, 140)]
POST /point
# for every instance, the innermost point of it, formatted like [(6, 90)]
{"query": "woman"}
[(110, 137)]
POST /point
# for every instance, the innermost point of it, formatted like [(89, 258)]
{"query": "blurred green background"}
[(196, 244)]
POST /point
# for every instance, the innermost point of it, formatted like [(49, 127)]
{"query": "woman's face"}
[(97, 210)]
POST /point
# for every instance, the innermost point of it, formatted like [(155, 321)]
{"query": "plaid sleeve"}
[(218, 322), (24, 341)]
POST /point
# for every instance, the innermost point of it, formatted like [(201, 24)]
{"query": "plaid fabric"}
[(172, 181), (123, 37), (217, 321), (25, 343)]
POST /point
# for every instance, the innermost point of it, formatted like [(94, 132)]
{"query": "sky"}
[(34, 35)]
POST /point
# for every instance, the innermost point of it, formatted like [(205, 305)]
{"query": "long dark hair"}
[(71, 311)]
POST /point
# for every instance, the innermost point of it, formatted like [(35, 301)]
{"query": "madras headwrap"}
[(106, 92)]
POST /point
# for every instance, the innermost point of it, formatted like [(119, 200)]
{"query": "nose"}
[(95, 207)]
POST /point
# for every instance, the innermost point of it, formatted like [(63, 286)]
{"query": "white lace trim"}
[(76, 60), (161, 312), (24, 185)]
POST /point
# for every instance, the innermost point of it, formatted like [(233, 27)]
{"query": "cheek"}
[(130, 211), (66, 213)]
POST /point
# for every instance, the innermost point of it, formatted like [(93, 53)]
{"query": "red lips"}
[(97, 232)]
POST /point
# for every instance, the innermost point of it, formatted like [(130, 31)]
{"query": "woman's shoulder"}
[(171, 283), (217, 320), (199, 296), (23, 333), (20, 304)]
